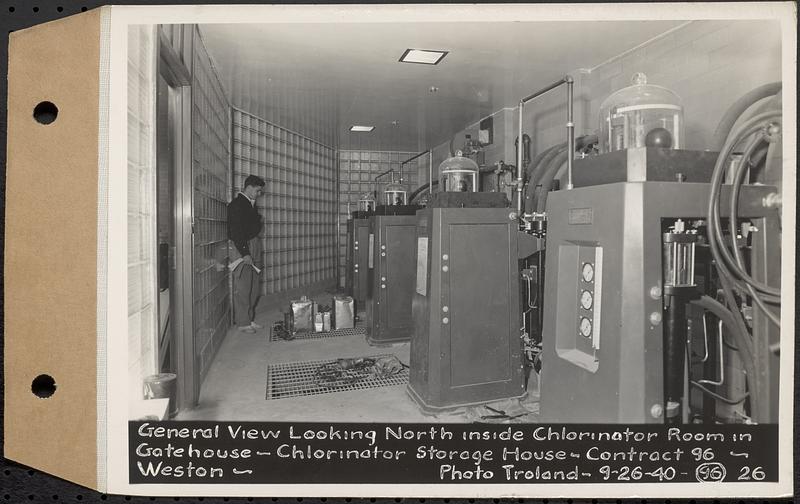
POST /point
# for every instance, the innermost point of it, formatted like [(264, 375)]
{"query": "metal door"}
[(360, 259), (173, 152), (392, 279)]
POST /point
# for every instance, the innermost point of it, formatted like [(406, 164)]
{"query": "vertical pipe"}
[(685, 406), (430, 171), (674, 350), (709, 366), (540, 293), (570, 131), (519, 159)]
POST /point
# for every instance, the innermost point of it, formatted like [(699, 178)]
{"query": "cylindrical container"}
[(343, 312), (458, 174), (366, 203), (641, 115), (394, 194), (302, 315), (163, 386), (679, 259)]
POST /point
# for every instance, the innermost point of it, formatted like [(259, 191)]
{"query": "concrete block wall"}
[(211, 174), (357, 172), (211, 168), (142, 302), (298, 210)]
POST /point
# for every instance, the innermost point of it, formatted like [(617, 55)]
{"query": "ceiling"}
[(321, 78)]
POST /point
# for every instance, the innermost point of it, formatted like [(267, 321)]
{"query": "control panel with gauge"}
[(578, 310), (588, 323)]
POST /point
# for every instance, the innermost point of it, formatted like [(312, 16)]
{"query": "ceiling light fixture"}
[(422, 56), (362, 128)]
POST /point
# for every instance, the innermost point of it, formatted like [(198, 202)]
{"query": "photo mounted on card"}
[(448, 251)]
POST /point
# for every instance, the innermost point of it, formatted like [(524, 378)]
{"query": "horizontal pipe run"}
[(390, 170), (414, 157), (568, 80), (408, 161), (546, 89)]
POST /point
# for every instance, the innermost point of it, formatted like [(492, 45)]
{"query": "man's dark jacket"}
[(244, 223)]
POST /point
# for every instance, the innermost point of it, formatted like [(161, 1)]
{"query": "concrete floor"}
[(235, 386)]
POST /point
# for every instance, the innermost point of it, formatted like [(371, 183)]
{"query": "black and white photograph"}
[(451, 250), (562, 222), (347, 227)]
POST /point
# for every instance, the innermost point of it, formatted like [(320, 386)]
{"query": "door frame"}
[(177, 75)]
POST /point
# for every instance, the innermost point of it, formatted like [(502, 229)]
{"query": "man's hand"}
[(248, 259)]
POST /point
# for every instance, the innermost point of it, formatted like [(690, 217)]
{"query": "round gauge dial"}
[(587, 300), (585, 327), (587, 272)]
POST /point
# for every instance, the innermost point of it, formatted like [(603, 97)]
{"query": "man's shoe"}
[(247, 329)]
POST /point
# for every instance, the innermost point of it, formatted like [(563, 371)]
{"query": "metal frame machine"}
[(466, 347), (390, 268), (661, 281), (635, 282), (356, 281)]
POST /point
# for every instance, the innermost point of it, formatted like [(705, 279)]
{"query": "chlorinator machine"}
[(390, 268), (631, 280), (466, 347)]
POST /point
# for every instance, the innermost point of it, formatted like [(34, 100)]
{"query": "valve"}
[(528, 274), (772, 200)]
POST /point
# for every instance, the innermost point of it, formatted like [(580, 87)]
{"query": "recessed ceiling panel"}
[(351, 73)]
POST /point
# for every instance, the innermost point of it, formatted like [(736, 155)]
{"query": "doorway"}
[(174, 226)]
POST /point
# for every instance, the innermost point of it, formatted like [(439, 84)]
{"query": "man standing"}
[(244, 225)]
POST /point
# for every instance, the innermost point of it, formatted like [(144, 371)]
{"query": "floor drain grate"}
[(354, 331), (297, 379)]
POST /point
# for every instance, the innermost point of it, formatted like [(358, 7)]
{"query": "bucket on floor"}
[(302, 315), (343, 312), (163, 386)]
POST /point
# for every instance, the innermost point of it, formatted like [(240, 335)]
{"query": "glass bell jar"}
[(366, 203), (641, 115), (394, 194), (458, 174)]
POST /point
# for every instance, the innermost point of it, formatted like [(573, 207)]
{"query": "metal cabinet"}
[(358, 260), (603, 335), (390, 273), (466, 347)]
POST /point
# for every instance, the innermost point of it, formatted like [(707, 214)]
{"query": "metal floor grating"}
[(355, 331), (297, 379)]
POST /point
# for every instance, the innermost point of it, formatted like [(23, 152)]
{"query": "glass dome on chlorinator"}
[(458, 174), (641, 115), (366, 203), (394, 194)]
